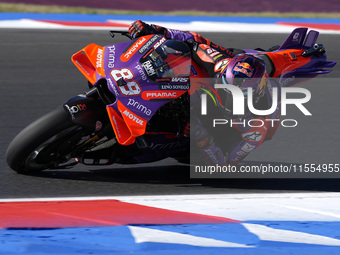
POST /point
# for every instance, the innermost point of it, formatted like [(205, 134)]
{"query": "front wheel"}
[(44, 144)]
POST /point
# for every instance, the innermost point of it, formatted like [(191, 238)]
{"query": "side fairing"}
[(89, 61), (130, 77)]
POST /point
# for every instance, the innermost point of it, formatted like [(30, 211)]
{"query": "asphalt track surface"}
[(37, 75)]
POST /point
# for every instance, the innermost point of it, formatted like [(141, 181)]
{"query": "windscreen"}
[(167, 60)]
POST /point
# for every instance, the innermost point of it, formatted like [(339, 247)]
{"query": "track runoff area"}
[(280, 223)]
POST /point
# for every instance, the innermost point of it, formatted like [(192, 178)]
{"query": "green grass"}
[(30, 8)]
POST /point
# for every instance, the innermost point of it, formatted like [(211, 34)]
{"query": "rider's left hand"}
[(140, 28)]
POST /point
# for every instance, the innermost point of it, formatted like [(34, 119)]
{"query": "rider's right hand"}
[(140, 28)]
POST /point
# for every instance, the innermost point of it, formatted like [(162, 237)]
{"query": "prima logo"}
[(139, 106), (112, 56), (141, 72)]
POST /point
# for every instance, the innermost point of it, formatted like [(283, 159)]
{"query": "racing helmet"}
[(244, 71)]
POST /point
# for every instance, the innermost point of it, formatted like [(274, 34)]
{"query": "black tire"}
[(24, 145)]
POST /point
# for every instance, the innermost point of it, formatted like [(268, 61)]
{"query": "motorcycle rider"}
[(224, 66)]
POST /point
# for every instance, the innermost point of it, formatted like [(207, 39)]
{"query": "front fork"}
[(88, 111)]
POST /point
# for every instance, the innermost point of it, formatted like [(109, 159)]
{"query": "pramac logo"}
[(132, 50), (165, 94)]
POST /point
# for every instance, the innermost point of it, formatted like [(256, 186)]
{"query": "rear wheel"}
[(46, 143)]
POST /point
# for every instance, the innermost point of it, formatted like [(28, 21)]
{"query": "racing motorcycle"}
[(138, 102)]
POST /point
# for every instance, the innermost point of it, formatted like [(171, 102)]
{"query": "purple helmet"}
[(245, 71)]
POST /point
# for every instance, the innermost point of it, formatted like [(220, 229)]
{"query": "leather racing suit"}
[(243, 137)]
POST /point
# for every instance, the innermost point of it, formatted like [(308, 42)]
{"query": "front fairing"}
[(143, 74)]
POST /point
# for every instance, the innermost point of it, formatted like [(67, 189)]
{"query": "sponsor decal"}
[(159, 43), (113, 86), (248, 147), (112, 56), (133, 117), (149, 95), (141, 72), (244, 68), (99, 125), (241, 154), (75, 109), (211, 155), (176, 83), (117, 132), (149, 68), (174, 87), (212, 52), (252, 136), (147, 45), (221, 64), (99, 58), (296, 36), (139, 106), (132, 50), (180, 79)]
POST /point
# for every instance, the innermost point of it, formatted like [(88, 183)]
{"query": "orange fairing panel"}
[(89, 60), (287, 60), (127, 126)]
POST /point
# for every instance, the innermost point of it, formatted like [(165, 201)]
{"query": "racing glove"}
[(140, 28)]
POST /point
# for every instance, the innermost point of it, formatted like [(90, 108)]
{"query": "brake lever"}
[(113, 32)]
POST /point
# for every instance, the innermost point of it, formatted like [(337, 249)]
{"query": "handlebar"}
[(114, 32)]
